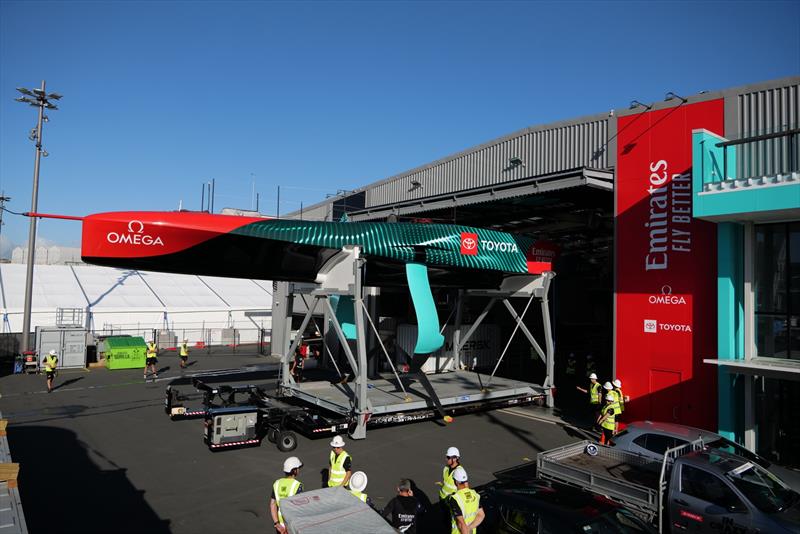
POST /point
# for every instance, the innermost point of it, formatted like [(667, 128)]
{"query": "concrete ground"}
[(100, 455)]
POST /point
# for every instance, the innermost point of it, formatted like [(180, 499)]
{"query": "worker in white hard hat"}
[(50, 366), (341, 464), (358, 483), (184, 353), (608, 419), (452, 461), (621, 397), (285, 487), (152, 359), (594, 395), (465, 506)]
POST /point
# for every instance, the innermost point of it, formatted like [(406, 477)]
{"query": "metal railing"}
[(763, 155)]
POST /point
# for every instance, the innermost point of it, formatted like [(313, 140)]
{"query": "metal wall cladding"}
[(762, 112), (68, 342), (543, 150), (319, 212)]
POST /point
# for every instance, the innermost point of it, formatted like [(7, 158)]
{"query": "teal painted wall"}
[(730, 325)]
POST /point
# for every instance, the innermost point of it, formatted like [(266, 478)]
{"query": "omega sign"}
[(134, 236)]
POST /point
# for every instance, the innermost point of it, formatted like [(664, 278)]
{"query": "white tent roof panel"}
[(110, 288), (239, 293), (181, 291)]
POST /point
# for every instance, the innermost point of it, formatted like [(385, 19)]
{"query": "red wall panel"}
[(666, 319)]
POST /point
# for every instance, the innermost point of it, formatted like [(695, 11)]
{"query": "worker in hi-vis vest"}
[(287, 486), (152, 359), (184, 353), (594, 394), (465, 506), (621, 397), (608, 419), (341, 464), (50, 366), (358, 483), (453, 460)]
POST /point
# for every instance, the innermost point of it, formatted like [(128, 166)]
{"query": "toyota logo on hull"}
[(469, 243), (134, 236)]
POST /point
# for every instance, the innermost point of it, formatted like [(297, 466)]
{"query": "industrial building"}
[(679, 282)]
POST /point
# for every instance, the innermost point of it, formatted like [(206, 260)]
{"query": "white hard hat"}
[(617, 383), (608, 386), (358, 481), (611, 397), (337, 441), (185, 340), (53, 352), (593, 376), (460, 474), (292, 462), (452, 451)]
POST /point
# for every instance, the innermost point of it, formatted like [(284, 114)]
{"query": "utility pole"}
[(3, 200), (38, 99)]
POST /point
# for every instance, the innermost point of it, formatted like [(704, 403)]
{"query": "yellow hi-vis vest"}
[(469, 502), (284, 487), (50, 363), (620, 402), (362, 496), (151, 350), (611, 421), (448, 484), (184, 349), (337, 473), (594, 393)]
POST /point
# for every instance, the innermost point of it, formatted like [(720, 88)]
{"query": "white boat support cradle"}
[(342, 276)]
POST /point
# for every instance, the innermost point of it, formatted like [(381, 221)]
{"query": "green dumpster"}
[(125, 352)]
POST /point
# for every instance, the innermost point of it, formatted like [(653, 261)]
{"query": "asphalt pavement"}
[(100, 455)]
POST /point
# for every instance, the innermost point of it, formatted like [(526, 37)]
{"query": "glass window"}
[(777, 290), (658, 443), (709, 488), (763, 489), (770, 279), (518, 521)]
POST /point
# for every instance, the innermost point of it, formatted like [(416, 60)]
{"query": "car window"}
[(762, 488), (658, 443), (710, 488), (516, 521), (734, 448)]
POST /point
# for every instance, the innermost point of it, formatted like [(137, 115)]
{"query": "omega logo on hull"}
[(134, 236)]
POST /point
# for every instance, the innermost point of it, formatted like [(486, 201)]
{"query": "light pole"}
[(38, 99)]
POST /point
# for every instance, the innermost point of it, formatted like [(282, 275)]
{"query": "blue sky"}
[(160, 97)]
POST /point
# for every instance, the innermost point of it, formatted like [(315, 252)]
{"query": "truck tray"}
[(620, 475)]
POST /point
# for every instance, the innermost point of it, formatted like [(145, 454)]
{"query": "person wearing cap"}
[(184, 353), (50, 365), (358, 483), (621, 398), (453, 460), (404, 510), (594, 394), (341, 464), (608, 420), (465, 505), (152, 359), (285, 487)]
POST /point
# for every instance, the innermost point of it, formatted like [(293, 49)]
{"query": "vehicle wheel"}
[(272, 435), (287, 441)]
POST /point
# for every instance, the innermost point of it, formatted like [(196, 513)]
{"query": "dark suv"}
[(516, 506)]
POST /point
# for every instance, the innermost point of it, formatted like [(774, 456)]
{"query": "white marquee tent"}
[(128, 301)]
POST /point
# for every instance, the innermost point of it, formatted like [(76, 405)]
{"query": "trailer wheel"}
[(287, 441), (272, 435)]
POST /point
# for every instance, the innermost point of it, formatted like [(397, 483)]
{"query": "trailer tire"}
[(287, 441), (272, 435)]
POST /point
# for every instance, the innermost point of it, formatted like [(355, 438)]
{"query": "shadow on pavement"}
[(63, 490), (68, 382)]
